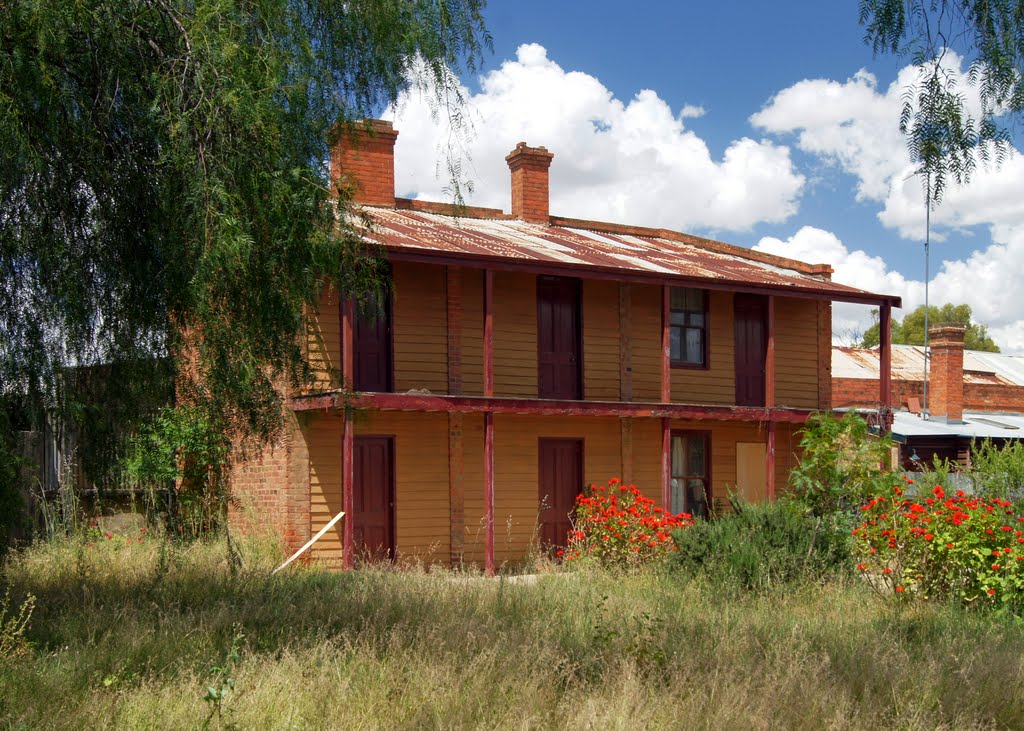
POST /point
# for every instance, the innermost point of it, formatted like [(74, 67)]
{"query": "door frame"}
[(389, 340), (763, 303), (582, 442), (388, 439), (577, 284)]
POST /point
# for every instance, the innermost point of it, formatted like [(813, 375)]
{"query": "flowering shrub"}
[(616, 525), (961, 546)]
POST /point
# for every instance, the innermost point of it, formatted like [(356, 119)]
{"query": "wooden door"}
[(750, 317), (751, 478), (373, 488), (371, 337), (558, 338), (560, 480)]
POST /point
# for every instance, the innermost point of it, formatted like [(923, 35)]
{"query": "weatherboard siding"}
[(419, 326), (796, 353)]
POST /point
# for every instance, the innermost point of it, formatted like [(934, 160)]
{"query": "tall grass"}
[(130, 635)]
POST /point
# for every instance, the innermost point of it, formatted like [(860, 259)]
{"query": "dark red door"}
[(373, 523), (560, 480), (558, 338), (372, 339), (750, 314)]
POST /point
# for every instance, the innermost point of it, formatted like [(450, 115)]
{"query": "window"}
[(688, 332), (691, 484)]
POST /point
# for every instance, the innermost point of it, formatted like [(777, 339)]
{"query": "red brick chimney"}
[(946, 371), (529, 166), (363, 161)]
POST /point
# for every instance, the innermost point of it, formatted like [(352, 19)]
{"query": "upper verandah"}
[(530, 239)]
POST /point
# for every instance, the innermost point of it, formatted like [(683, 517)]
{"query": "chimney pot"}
[(363, 162), (529, 167), (946, 371)]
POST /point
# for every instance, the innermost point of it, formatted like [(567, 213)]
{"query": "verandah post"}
[(666, 396), (347, 437), (769, 400), (489, 422), (885, 364)]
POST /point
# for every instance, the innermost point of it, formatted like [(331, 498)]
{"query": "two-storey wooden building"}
[(525, 355)]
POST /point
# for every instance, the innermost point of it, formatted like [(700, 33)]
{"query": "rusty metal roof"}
[(908, 365), (615, 250)]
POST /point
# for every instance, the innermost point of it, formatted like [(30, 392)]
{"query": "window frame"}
[(705, 329), (705, 436)]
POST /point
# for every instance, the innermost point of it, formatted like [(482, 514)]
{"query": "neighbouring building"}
[(524, 355), (972, 395)]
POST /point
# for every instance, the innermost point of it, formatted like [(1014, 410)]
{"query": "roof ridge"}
[(721, 247), (463, 211)]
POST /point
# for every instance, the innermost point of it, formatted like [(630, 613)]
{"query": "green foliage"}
[(180, 448), (223, 686), (911, 330), (165, 203), (937, 546), (841, 463), (762, 546), (998, 472), (943, 139)]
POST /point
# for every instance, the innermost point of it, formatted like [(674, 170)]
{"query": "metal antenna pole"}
[(927, 236)]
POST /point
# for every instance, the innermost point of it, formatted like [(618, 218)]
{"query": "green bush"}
[(841, 464), (998, 472), (760, 546)]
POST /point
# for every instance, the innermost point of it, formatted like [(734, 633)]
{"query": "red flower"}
[(899, 590), (991, 592)]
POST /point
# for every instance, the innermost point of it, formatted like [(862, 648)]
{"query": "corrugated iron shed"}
[(626, 251), (908, 365), (974, 426)]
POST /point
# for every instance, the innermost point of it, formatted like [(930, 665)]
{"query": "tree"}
[(165, 205), (943, 139), (911, 330)]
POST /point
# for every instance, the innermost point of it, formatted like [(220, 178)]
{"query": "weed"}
[(13, 624)]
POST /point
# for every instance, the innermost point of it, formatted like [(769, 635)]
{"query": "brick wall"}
[(994, 398), (363, 161), (529, 166), (946, 374), (272, 490)]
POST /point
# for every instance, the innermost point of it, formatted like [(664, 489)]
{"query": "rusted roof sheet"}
[(908, 365), (420, 232)]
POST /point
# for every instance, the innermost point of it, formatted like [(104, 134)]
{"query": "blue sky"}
[(768, 125)]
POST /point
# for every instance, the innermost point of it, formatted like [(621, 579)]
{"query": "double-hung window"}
[(688, 327), (691, 484)]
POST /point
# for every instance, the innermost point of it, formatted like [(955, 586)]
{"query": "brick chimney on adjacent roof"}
[(529, 166), (363, 160), (946, 371)]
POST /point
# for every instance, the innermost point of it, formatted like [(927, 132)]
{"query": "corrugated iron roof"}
[(908, 365), (581, 246)]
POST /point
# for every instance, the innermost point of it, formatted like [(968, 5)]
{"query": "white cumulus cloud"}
[(855, 125), (631, 161), (985, 281)]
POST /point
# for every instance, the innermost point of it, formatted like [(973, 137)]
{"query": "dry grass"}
[(129, 636)]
